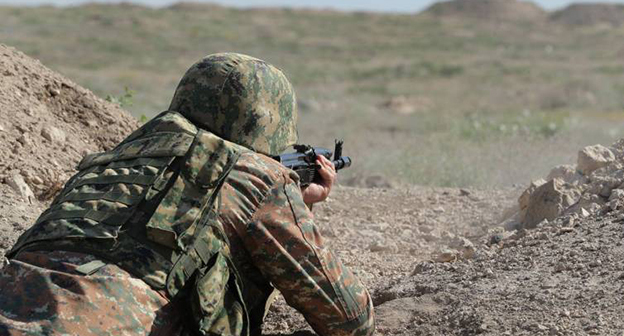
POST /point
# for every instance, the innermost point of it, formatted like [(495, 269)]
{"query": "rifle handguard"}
[(303, 161)]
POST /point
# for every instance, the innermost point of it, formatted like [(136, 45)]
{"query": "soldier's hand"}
[(318, 192)]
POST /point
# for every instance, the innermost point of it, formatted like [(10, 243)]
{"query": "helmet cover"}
[(241, 99)]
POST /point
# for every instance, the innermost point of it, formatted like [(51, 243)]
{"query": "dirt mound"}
[(559, 273), (491, 10), (590, 14), (48, 123), (594, 185)]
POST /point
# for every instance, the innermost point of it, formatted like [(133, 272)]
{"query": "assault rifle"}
[(303, 161)]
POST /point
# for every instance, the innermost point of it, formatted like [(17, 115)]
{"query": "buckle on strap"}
[(90, 267)]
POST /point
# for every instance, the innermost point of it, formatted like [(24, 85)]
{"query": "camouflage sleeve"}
[(286, 246)]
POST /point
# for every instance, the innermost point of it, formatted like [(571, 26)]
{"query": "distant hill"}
[(590, 14), (499, 10)]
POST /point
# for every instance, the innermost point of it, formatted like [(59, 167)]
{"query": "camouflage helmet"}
[(241, 99)]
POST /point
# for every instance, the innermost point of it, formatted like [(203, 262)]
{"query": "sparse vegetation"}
[(123, 100), (483, 99)]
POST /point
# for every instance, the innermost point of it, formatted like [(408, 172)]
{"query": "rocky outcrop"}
[(596, 182)]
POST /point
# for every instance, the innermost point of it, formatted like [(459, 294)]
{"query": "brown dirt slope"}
[(494, 10), (47, 124), (561, 276), (590, 14)]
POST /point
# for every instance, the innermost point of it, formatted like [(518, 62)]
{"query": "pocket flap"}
[(156, 145), (208, 159)]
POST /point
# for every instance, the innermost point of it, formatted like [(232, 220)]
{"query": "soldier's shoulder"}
[(263, 167)]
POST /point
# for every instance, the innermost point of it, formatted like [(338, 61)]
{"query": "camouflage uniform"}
[(190, 205)]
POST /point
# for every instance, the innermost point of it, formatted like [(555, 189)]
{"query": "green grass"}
[(493, 104)]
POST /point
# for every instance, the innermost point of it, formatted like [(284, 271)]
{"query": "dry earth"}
[(436, 260), (47, 124)]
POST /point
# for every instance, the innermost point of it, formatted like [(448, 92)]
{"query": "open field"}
[(419, 99)]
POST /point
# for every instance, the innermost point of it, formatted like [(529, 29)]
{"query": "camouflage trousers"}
[(48, 293)]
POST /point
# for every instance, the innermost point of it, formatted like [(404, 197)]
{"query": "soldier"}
[(187, 226)]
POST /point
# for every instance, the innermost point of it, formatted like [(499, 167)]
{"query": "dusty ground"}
[(384, 233), (436, 260)]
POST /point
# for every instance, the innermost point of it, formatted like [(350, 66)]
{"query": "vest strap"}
[(104, 217), (107, 196)]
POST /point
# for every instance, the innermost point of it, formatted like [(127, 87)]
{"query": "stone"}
[(17, 182), (548, 201), (53, 91), (564, 172), (53, 134), (36, 180), (616, 194), (591, 158), (447, 255), (523, 201), (24, 139), (379, 246), (467, 249)]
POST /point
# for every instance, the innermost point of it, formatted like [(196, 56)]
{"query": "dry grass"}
[(492, 103)]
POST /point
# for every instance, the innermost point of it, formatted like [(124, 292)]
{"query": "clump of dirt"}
[(490, 10), (48, 123), (590, 14)]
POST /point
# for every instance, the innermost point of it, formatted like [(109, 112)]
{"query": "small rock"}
[(53, 134), (565, 172), (464, 192), (1, 128), (466, 247), (523, 201), (540, 327), (566, 229), (24, 139), (407, 233), (379, 246), (53, 91), (447, 255), (36, 180), (616, 194), (591, 158), (16, 181), (584, 213), (548, 201)]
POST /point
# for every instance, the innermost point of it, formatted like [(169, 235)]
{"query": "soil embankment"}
[(48, 123)]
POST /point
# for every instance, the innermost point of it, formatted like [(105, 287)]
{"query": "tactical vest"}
[(150, 206)]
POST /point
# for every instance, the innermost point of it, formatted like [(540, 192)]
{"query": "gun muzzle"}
[(342, 162)]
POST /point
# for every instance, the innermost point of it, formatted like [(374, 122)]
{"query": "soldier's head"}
[(241, 99)]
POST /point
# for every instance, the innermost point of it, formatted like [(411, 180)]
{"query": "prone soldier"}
[(187, 226)]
